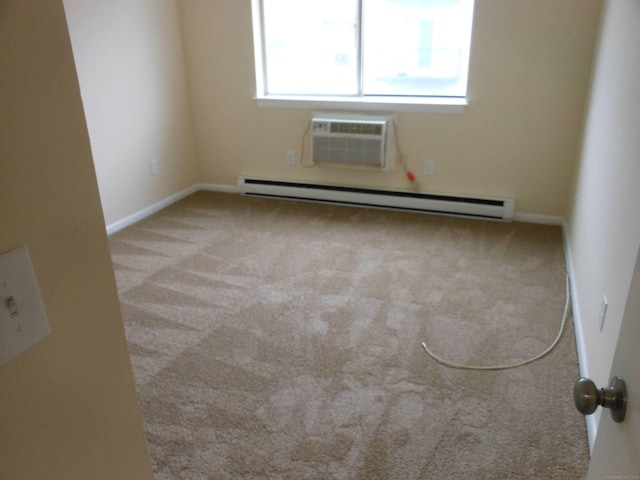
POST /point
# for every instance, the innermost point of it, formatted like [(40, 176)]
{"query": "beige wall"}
[(68, 407), (518, 138), (130, 66), (604, 224)]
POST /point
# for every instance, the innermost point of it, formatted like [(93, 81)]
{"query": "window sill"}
[(384, 104)]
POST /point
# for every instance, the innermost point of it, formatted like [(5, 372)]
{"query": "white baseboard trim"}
[(212, 187), (540, 219), (156, 207), (150, 210), (591, 420)]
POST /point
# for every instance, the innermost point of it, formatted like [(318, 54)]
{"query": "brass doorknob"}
[(587, 397)]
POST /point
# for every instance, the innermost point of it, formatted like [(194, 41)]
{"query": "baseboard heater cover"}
[(495, 209)]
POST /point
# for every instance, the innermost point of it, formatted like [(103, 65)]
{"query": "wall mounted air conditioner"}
[(356, 141)]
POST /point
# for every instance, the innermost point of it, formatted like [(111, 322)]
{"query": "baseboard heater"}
[(495, 209)]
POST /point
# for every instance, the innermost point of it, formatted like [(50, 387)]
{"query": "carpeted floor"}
[(282, 340)]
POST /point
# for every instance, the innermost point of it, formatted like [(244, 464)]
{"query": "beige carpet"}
[(276, 339)]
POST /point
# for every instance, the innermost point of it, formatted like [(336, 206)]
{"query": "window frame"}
[(357, 103)]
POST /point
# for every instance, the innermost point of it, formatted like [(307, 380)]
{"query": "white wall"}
[(529, 72), (68, 406), (130, 65), (604, 222)]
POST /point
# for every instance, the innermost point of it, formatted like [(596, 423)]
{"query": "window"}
[(392, 51)]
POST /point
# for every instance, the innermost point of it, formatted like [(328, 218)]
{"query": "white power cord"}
[(447, 363)]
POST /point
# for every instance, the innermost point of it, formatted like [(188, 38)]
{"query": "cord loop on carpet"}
[(447, 363)]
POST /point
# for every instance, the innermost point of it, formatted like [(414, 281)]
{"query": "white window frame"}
[(364, 103)]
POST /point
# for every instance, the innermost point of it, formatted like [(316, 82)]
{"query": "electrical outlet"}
[(429, 167), (291, 157), (603, 312), (155, 167)]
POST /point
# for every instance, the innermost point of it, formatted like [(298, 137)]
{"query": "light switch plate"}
[(23, 321)]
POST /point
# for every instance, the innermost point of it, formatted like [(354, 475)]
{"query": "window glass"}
[(416, 48), (311, 47)]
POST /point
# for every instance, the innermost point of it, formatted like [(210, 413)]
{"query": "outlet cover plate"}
[(603, 312), (429, 167), (23, 321)]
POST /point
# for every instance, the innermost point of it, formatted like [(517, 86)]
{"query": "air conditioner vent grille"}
[(347, 151), (354, 128)]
